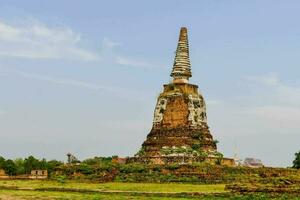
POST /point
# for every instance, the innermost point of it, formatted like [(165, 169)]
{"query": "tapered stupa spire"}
[(182, 68)]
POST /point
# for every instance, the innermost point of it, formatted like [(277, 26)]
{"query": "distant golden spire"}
[(182, 68)]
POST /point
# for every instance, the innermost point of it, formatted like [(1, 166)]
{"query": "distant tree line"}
[(21, 166)]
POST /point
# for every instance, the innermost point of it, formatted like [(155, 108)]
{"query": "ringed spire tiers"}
[(182, 67)]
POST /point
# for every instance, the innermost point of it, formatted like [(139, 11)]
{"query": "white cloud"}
[(69, 82), (279, 92), (263, 120), (126, 93), (2, 112), (270, 79), (39, 41), (276, 104), (134, 63), (109, 44), (276, 115)]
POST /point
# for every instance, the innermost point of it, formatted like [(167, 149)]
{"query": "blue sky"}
[(83, 77)]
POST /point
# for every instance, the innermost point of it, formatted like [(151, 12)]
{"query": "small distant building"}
[(3, 174), (38, 174), (119, 160), (253, 162)]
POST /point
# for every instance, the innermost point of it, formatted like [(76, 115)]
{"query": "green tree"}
[(85, 169), (296, 162), (2, 162), (52, 164), (43, 164), (19, 162), (10, 167), (31, 163)]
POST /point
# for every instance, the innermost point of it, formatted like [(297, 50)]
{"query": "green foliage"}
[(296, 162), (219, 158), (157, 168), (215, 142), (141, 152), (133, 168), (20, 166), (19, 162), (172, 166), (61, 179), (52, 165), (85, 169), (31, 163), (2, 162), (196, 146), (97, 160), (10, 167)]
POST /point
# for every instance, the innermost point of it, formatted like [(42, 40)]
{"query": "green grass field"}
[(115, 186), (28, 195), (71, 190)]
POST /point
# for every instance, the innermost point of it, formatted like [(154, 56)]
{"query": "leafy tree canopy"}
[(296, 162)]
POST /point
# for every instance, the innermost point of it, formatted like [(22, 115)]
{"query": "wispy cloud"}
[(277, 104), (278, 115), (116, 91), (279, 91), (270, 79), (69, 82), (39, 41), (109, 44), (33, 39), (134, 63), (2, 112)]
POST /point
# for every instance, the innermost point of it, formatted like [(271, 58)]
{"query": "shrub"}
[(85, 169), (141, 152), (133, 168), (219, 158), (296, 162), (172, 166), (196, 146), (61, 179), (10, 167)]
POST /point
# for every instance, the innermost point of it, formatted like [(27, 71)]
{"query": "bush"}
[(133, 168), (61, 179), (10, 167), (85, 169), (296, 162), (172, 166)]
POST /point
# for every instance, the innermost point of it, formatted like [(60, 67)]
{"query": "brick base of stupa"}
[(180, 133), (179, 140), (181, 160)]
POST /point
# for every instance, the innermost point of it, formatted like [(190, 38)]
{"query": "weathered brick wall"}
[(179, 122)]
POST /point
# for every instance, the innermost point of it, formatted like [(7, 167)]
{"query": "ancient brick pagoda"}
[(180, 133)]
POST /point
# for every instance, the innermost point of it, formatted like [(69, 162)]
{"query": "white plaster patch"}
[(197, 110), (159, 110)]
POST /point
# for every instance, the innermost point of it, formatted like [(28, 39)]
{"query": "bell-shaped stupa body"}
[(180, 132)]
